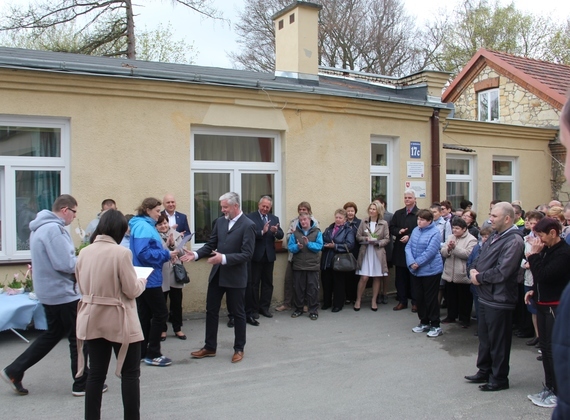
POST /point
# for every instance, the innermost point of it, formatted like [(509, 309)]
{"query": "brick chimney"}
[(296, 41)]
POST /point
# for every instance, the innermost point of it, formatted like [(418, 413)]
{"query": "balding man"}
[(554, 203), (495, 273), (176, 220)]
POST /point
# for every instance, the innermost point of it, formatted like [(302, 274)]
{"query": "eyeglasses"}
[(74, 211)]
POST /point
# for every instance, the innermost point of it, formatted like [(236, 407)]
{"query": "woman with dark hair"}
[(425, 264), (373, 235), (456, 251), (338, 238), (171, 289), (470, 218), (148, 251), (107, 317), (354, 223), (548, 261)]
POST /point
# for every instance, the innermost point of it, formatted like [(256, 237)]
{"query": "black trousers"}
[(459, 302), (545, 317), (130, 374), (175, 295), (261, 278), (426, 289), (235, 299), (306, 290), (495, 330), (61, 323), (153, 315), (352, 280), (404, 285), (334, 287)]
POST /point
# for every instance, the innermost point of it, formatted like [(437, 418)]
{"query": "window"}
[(242, 161), (504, 178), (459, 179), (34, 170), (489, 105), (380, 174)]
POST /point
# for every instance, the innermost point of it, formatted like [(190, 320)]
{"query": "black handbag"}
[(180, 274), (344, 262)]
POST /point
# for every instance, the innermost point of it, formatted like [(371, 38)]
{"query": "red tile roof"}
[(548, 81)]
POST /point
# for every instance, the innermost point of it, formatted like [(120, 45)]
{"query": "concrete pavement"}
[(345, 365)]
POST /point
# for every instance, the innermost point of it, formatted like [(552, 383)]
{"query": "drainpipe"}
[(435, 157)]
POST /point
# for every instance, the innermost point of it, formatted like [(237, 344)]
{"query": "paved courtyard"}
[(346, 365)]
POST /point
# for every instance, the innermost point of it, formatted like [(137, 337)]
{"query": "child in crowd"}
[(306, 243)]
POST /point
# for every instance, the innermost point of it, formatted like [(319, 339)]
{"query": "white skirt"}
[(371, 266)]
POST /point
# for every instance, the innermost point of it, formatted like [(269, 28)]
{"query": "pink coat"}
[(109, 285)]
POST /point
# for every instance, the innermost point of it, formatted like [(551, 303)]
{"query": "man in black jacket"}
[(495, 272), (401, 226)]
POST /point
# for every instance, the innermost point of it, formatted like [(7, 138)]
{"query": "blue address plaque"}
[(415, 150)]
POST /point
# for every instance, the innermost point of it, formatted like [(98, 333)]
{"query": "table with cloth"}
[(17, 311)]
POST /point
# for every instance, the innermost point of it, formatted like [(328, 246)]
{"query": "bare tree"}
[(110, 23)]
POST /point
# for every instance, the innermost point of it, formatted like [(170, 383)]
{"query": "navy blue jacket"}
[(181, 221), (343, 239), (265, 243)]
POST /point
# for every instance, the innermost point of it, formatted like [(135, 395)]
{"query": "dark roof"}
[(548, 81), (17, 58)]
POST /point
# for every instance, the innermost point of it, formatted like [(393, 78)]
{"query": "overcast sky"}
[(213, 39)]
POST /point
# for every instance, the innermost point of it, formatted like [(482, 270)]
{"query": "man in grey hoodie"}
[(53, 262)]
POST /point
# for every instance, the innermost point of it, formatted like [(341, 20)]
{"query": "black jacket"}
[(561, 356), (402, 220), (344, 236), (550, 272)]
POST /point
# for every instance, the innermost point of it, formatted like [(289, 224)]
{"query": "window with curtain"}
[(459, 179), (243, 161), (504, 178), (34, 168)]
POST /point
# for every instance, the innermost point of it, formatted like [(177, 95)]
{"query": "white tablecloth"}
[(17, 311)]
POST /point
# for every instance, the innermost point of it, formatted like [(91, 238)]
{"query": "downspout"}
[(435, 157)]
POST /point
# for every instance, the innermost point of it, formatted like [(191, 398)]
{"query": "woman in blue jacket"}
[(148, 251), (424, 261)]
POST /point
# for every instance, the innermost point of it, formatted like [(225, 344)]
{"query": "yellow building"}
[(100, 128)]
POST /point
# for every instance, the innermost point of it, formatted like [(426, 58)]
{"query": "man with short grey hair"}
[(495, 273)]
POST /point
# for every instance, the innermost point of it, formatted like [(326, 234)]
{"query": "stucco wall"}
[(516, 105), (131, 139)]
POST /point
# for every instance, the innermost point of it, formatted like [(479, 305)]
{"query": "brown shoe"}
[(399, 307), (203, 352), (237, 357), (283, 308)]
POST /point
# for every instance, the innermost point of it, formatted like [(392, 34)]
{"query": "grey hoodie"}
[(53, 260)]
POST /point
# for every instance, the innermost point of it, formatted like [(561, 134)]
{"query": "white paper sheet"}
[(143, 272)]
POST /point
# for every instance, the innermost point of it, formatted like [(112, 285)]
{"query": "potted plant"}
[(15, 287)]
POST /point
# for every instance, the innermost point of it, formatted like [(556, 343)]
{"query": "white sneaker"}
[(421, 328), (549, 400), (540, 395), (435, 332)]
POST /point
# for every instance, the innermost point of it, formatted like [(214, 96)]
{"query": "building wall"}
[(130, 139), (516, 105)]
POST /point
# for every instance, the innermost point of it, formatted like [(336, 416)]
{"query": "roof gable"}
[(548, 81)]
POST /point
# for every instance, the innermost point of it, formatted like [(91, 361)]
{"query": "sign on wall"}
[(419, 188), (415, 150), (415, 169)]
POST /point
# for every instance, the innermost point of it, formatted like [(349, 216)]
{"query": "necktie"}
[(264, 219)]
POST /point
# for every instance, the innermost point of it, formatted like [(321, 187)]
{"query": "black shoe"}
[(493, 387), (252, 321), (525, 335), (325, 307), (532, 342), (162, 338), (231, 323), (265, 313), (335, 309), (478, 378), (15, 384), (255, 315)]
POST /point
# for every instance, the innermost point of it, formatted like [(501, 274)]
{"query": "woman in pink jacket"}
[(107, 316)]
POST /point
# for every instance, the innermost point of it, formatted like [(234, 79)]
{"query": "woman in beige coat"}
[(373, 235), (456, 251), (107, 316)]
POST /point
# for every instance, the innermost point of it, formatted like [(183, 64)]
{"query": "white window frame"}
[(470, 179), (512, 179), (237, 168), (487, 93), (389, 170), (9, 165)]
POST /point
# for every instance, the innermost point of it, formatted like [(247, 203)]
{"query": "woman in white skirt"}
[(373, 235)]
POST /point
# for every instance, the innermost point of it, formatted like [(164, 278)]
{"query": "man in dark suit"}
[(402, 224), (176, 220), (267, 229), (229, 250)]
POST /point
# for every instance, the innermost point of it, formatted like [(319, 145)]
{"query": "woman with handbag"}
[(170, 286), (338, 241), (373, 235)]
